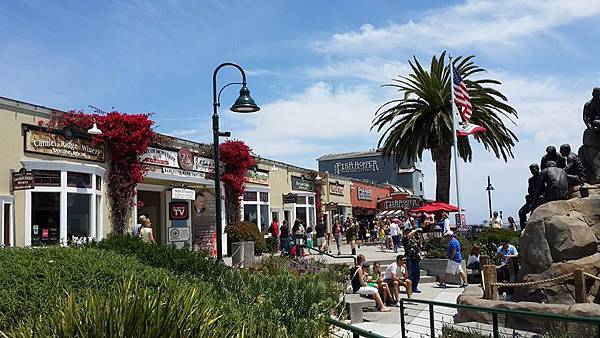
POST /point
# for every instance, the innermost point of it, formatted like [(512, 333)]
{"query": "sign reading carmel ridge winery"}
[(43, 142)]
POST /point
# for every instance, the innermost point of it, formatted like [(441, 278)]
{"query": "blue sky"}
[(314, 67)]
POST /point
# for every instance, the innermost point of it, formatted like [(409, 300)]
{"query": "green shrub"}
[(488, 239), (247, 232), (33, 279), (131, 311)]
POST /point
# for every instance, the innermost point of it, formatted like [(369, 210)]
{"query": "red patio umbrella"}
[(436, 207)]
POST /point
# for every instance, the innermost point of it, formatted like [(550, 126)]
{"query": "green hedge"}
[(31, 280)]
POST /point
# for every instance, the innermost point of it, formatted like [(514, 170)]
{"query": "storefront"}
[(178, 195), (336, 199), (54, 191), (256, 200), (365, 198)]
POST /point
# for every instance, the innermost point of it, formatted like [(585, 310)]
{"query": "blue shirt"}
[(454, 246), (511, 250)]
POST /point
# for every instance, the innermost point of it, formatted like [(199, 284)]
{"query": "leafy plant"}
[(247, 232), (131, 311), (237, 157)]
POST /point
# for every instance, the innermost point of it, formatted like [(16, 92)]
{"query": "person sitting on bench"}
[(396, 275), (360, 286)]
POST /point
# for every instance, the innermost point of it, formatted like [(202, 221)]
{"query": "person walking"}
[(284, 237), (351, 233), (445, 220), (395, 233), (274, 231), (337, 234), (454, 261), (321, 230), (413, 251), (146, 231)]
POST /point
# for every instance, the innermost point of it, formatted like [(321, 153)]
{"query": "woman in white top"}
[(146, 231), (473, 260)]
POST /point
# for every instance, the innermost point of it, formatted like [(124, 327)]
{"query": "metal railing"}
[(356, 331), (495, 312)]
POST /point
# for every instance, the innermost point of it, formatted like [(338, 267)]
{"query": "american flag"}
[(461, 96)]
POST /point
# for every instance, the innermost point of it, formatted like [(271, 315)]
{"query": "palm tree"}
[(422, 118)]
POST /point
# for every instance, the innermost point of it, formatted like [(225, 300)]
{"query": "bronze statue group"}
[(561, 171)]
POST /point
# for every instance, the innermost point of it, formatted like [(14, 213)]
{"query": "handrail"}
[(353, 329), (328, 254), (574, 319)]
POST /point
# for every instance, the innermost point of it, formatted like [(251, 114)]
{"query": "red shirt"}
[(275, 229)]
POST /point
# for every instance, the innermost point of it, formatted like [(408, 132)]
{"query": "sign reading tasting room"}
[(43, 142)]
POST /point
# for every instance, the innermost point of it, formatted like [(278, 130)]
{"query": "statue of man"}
[(552, 155), (591, 111), (531, 199), (553, 183), (574, 167)]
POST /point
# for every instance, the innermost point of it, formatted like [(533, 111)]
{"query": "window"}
[(78, 215), (274, 215), (311, 200), (264, 217), (301, 200), (46, 178), (301, 214), (250, 213), (45, 218), (79, 180), (98, 183), (264, 197), (250, 195), (311, 216)]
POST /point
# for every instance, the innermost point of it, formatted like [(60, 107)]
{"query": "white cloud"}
[(372, 69), (470, 23)]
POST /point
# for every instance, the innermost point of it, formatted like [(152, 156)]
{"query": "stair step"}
[(427, 279)]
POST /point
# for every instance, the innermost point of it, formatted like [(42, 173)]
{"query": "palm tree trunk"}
[(442, 158)]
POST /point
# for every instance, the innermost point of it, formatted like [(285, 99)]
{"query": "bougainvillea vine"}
[(237, 158), (126, 136)]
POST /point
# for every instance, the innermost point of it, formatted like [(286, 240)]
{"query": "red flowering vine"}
[(126, 137), (237, 158)]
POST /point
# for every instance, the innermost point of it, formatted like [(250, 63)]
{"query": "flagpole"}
[(455, 140)]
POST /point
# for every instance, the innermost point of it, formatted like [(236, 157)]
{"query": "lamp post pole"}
[(244, 104), (489, 190)]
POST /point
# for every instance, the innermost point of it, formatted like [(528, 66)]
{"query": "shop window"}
[(287, 215), (79, 180), (264, 197), (250, 196), (301, 200), (78, 215), (45, 218), (275, 215), (311, 200), (251, 213), (311, 216), (301, 214), (46, 178), (264, 217), (98, 183)]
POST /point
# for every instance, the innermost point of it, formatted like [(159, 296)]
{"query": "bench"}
[(355, 304)]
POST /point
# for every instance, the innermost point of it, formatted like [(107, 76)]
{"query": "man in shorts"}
[(321, 230), (396, 275), (454, 261)]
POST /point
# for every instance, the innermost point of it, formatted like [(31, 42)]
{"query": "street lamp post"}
[(489, 190), (243, 104)]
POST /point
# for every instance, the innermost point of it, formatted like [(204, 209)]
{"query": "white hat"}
[(449, 233)]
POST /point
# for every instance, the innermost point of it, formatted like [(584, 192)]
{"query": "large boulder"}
[(570, 238)]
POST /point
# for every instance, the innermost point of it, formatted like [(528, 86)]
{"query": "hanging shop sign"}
[(336, 188), (332, 206), (400, 204), (364, 194), (183, 194), (22, 180), (179, 211), (48, 143), (289, 198), (179, 234), (257, 177), (302, 184), (185, 158)]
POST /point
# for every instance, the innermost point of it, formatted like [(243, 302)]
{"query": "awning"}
[(436, 207)]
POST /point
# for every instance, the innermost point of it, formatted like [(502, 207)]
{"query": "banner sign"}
[(364, 194), (185, 173), (336, 189), (183, 159), (183, 194), (43, 142), (301, 184), (22, 180), (257, 177), (400, 204), (161, 157)]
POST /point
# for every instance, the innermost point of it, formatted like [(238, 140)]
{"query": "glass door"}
[(45, 218)]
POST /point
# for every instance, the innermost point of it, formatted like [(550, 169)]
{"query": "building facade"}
[(372, 166)]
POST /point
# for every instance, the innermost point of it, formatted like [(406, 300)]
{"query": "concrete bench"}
[(355, 304)]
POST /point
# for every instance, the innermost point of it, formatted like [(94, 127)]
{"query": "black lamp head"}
[(244, 103)]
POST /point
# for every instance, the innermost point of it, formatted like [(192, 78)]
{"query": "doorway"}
[(150, 207)]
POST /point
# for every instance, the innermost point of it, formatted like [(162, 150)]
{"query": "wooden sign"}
[(44, 142), (22, 180), (289, 198)]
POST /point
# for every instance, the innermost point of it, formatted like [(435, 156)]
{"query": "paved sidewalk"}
[(371, 251)]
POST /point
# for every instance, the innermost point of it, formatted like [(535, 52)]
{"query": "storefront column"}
[(93, 218), (62, 230)]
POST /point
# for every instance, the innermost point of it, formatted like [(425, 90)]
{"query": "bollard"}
[(579, 281), (489, 276), (484, 260)]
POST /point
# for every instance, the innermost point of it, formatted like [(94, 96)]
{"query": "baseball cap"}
[(449, 233)]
